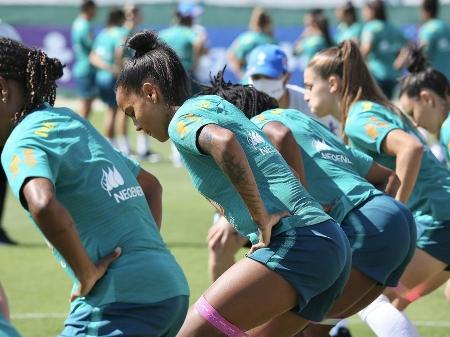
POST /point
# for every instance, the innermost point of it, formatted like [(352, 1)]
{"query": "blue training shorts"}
[(382, 234), (161, 319), (86, 87), (315, 260)]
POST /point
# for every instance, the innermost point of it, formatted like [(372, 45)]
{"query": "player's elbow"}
[(41, 205)]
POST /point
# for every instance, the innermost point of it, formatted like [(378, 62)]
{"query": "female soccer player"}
[(315, 37), (349, 28), (297, 249), (97, 209), (338, 82), (425, 96), (380, 44), (374, 223)]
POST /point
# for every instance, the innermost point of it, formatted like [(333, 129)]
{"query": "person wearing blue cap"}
[(267, 70)]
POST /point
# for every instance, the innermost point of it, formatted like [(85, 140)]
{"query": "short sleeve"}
[(361, 161), (367, 127), (184, 127), (30, 157), (367, 35)]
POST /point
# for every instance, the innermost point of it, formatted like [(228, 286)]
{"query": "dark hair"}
[(155, 61), (249, 100), (184, 20), (349, 9), (422, 76), (431, 7), (87, 4), (321, 22), (116, 17), (259, 19), (34, 70), (358, 84), (378, 9)]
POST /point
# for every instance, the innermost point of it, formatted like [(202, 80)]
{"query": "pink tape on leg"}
[(413, 295), (212, 316)]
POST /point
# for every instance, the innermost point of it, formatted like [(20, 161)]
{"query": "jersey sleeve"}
[(367, 34), (266, 117), (32, 156), (361, 161), (367, 127), (241, 46), (185, 127)]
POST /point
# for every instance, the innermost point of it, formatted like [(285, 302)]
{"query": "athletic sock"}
[(387, 321), (142, 144), (122, 145)]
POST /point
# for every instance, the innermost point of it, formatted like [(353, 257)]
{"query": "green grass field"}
[(38, 289)]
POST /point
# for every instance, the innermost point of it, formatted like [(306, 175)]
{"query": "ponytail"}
[(358, 84)]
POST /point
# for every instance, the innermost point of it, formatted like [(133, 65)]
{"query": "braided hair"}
[(249, 100), (34, 70)]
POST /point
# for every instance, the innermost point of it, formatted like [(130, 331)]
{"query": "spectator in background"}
[(349, 28), (6, 329), (260, 32), (6, 30), (381, 43), (106, 56), (314, 38), (434, 35), (82, 40)]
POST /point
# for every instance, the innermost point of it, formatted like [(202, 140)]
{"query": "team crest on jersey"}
[(320, 145), (254, 138), (111, 181), (259, 143), (328, 153)]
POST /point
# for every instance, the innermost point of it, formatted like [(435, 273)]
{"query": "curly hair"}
[(34, 70)]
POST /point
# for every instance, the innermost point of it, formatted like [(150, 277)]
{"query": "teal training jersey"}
[(6, 328), (367, 126), (181, 39), (386, 41), (280, 190), (352, 32), (308, 46), (106, 45), (445, 139), (333, 171), (246, 42), (98, 187), (435, 36), (82, 40)]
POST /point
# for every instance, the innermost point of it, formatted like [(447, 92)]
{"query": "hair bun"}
[(416, 60), (143, 42), (56, 68)]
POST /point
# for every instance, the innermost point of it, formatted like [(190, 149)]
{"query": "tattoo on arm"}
[(233, 168)]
